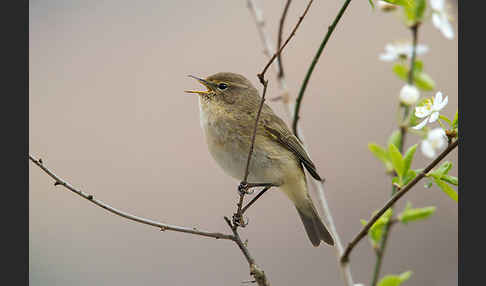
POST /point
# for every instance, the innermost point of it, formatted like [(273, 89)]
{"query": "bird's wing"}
[(278, 131)]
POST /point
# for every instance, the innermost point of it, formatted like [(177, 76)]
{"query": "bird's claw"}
[(244, 189), (239, 221)]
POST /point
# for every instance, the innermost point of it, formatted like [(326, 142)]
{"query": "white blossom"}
[(436, 139), (440, 18), (430, 110), (409, 94), (401, 50)]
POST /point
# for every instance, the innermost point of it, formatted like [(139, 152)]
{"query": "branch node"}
[(90, 197)]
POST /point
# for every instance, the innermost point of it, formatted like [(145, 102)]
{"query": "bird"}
[(228, 110)]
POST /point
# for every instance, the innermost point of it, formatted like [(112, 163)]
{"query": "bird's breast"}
[(228, 138)]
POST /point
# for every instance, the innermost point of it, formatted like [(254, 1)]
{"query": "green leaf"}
[(396, 159), (376, 230), (424, 81), (455, 121), (381, 154), (419, 66), (395, 139), (400, 2), (442, 170), (445, 119), (428, 185), (420, 9), (410, 176), (415, 12), (395, 280), (371, 3), (407, 159), (410, 214), (401, 71), (450, 179), (446, 188), (421, 79)]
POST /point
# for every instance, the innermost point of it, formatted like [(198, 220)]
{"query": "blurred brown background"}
[(108, 114)]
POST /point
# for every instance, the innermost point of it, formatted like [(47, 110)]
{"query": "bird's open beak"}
[(203, 82)]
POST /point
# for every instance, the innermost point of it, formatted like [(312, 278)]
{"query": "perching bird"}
[(227, 111)]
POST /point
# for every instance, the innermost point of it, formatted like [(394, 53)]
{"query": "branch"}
[(247, 171), (255, 271), (243, 187), (161, 226), (403, 132), (279, 41), (261, 75), (394, 199), (260, 23), (313, 64), (268, 51)]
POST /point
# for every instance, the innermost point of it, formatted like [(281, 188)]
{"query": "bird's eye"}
[(222, 86)]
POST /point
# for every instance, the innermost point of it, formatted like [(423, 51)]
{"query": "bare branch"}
[(393, 200), (267, 44), (255, 271), (247, 169), (262, 74), (161, 226), (254, 199), (268, 51), (244, 186)]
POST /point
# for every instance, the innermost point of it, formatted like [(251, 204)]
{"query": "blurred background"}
[(109, 115)]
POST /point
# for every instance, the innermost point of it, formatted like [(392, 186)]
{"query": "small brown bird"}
[(228, 110)]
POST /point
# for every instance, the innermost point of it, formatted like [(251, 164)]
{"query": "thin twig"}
[(255, 271), (279, 41), (313, 64), (244, 186), (268, 51), (393, 200), (254, 200), (161, 226), (414, 30), (261, 75), (319, 187), (247, 169)]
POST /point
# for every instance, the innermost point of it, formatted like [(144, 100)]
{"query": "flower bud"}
[(409, 94)]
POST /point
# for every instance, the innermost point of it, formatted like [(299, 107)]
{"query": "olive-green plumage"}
[(228, 111)]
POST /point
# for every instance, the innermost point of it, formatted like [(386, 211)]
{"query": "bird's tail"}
[(315, 228)]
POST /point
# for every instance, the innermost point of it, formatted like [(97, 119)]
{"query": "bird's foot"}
[(244, 188), (238, 220)]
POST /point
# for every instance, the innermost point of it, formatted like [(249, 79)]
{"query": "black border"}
[(471, 117), (14, 115)]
